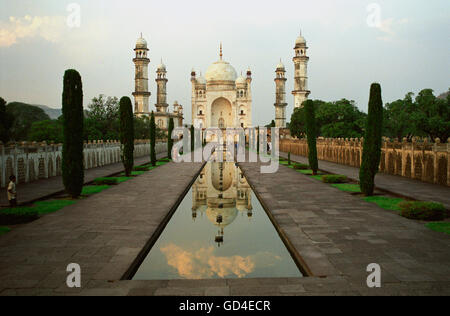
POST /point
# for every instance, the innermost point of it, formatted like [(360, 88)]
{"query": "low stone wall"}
[(34, 161), (421, 160)]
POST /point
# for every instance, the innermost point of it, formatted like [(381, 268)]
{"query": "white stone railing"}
[(33, 161)]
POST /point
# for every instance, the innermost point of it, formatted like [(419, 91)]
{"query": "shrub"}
[(372, 142), (289, 158), (427, 211), (334, 178), (300, 166), (73, 114), (18, 215), (127, 134), (311, 135), (106, 181)]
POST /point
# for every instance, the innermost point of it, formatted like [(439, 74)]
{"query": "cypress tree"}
[(6, 122), (72, 155), (152, 140), (289, 158), (192, 138), (127, 134), (372, 142), (170, 140), (257, 140), (311, 133)]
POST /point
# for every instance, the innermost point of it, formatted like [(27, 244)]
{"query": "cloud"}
[(49, 28), (202, 264), (388, 27)]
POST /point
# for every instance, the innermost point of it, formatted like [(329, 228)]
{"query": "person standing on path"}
[(12, 193)]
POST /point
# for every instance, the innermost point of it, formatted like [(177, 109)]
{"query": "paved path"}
[(399, 185), (33, 191), (338, 235), (103, 233)]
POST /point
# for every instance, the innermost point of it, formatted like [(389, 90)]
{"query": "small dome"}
[(201, 80), (221, 71), (162, 67), (141, 43), (241, 80), (280, 65), (300, 40)]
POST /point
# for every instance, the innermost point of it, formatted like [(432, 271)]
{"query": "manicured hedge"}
[(18, 215), (300, 166), (334, 178), (427, 211)]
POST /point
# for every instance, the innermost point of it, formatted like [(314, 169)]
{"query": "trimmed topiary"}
[(427, 211), (334, 178), (372, 142), (127, 134), (289, 158), (192, 138), (311, 135), (152, 140), (73, 114), (170, 140)]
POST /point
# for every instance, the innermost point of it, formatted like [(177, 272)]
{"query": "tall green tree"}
[(127, 134), (72, 155), (102, 118), (152, 139), (24, 117), (6, 122), (372, 142), (311, 133), (169, 138), (47, 131), (432, 115), (399, 118)]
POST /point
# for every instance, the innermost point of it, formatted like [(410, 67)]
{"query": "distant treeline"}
[(424, 116), (25, 122)]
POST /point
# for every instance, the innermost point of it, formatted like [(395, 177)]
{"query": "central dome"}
[(221, 71)]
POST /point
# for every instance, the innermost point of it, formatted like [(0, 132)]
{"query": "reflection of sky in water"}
[(189, 247)]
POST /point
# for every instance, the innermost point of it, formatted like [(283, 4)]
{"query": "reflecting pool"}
[(220, 230)]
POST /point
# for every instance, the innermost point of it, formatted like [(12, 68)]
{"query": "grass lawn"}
[(442, 227), (93, 189), (40, 208), (385, 202), (318, 177), (46, 207), (4, 230), (346, 187)]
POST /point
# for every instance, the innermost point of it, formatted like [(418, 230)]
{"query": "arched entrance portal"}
[(221, 115)]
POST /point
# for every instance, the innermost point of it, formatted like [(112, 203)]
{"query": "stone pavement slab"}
[(406, 187), (33, 191)]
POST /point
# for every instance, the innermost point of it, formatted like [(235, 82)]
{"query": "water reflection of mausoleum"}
[(221, 192)]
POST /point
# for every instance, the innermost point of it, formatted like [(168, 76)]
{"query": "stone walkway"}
[(103, 233), (33, 191), (399, 185)]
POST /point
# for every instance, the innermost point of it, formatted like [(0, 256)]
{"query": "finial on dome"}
[(221, 55)]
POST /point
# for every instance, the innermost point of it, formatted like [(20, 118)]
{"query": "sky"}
[(402, 44)]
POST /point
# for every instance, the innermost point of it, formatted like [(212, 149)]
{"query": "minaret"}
[(141, 93), (300, 92), (280, 99), (161, 81)]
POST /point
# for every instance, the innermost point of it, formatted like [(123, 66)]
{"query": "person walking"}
[(12, 193)]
